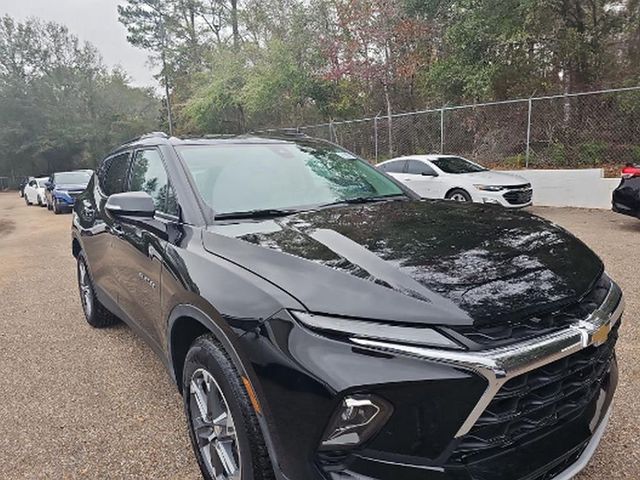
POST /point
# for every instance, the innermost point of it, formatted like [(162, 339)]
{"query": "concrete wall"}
[(585, 188)]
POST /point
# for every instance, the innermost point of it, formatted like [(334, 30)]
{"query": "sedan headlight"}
[(489, 188), (407, 334)]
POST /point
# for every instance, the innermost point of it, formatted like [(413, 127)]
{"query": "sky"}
[(95, 21)]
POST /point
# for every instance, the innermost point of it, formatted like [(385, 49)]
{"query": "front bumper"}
[(440, 397), (64, 200), (625, 210), (518, 198)]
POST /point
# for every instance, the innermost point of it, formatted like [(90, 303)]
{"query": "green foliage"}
[(635, 154), (514, 162), (59, 107), (593, 153), (557, 154)]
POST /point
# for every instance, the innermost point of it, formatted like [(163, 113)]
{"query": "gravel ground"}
[(82, 403)]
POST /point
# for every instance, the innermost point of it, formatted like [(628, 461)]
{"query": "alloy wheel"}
[(213, 427), (86, 294), (458, 197)]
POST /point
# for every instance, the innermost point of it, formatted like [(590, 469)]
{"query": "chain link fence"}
[(592, 129)]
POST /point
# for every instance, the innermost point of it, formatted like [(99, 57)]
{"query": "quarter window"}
[(394, 167), (149, 175), (115, 174)]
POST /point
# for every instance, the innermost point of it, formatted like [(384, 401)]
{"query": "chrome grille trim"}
[(501, 364)]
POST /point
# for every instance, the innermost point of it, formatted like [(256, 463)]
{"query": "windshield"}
[(73, 178), (246, 177), (457, 165), (41, 182)]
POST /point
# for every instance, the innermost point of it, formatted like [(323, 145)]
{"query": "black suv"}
[(322, 322)]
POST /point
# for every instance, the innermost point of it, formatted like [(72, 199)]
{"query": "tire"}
[(26, 200), (207, 360), (95, 313), (458, 195), (56, 208)]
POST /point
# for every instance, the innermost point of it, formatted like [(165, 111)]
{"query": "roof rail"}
[(285, 132), (147, 135)]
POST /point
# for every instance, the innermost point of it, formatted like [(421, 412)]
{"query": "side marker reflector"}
[(252, 395)]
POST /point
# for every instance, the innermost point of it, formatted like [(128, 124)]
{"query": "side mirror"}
[(131, 204)]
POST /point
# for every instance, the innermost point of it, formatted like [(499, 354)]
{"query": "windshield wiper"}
[(357, 200), (258, 213)]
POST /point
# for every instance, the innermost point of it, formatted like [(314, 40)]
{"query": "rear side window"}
[(393, 167), (149, 175), (114, 176), (416, 167)]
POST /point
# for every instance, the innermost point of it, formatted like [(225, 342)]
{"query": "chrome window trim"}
[(499, 365)]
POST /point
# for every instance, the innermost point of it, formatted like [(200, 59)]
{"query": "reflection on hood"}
[(486, 261)]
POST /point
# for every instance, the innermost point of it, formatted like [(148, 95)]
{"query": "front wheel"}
[(95, 313), (26, 200), (223, 425), (458, 195), (56, 207)]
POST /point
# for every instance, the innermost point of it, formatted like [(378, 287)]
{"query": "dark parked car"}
[(23, 183), (64, 187), (322, 322), (626, 198)]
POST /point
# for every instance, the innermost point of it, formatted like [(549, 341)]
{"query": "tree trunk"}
[(387, 99), (234, 23)]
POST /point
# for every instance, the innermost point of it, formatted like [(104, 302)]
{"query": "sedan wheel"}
[(458, 195), (214, 427)]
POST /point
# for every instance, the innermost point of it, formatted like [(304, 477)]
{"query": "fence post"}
[(375, 137), (526, 160), (442, 130)]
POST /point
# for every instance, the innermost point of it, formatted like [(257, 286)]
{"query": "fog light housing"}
[(358, 418)]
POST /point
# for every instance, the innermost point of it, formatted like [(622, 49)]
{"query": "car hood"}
[(494, 178), (428, 262)]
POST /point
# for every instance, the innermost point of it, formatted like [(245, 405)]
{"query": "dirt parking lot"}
[(82, 403)]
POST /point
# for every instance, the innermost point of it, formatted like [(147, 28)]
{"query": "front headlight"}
[(489, 188), (63, 193), (407, 334)]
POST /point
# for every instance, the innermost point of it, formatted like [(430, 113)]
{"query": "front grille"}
[(74, 194), (518, 197), (531, 405), (489, 335)]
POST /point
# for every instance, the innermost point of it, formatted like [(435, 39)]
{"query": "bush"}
[(557, 154), (514, 162), (592, 153)]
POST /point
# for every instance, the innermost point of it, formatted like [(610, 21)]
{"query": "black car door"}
[(102, 232), (142, 243)]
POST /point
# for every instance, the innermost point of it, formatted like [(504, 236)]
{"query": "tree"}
[(378, 45), (149, 24), (59, 106)]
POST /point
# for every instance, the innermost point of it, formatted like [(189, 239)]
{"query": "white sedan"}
[(459, 179), (34, 191)]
